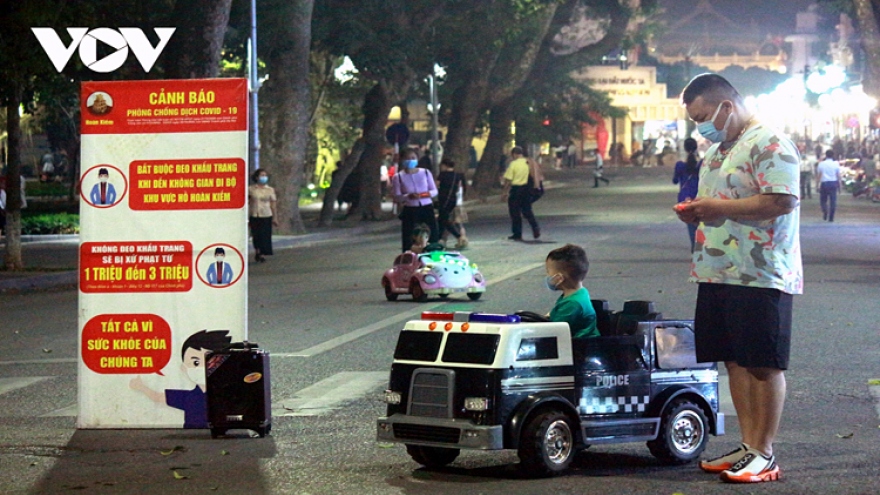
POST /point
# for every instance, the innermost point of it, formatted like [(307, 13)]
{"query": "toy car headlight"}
[(430, 279), (392, 397), (478, 277), (476, 403)]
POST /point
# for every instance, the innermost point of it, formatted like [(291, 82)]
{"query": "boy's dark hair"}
[(829, 154), (421, 229), (447, 162), (713, 88), (214, 340), (517, 150), (572, 259)]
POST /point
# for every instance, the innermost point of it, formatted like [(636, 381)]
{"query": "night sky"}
[(773, 16)]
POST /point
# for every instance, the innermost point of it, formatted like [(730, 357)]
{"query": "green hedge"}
[(50, 223), (56, 189)]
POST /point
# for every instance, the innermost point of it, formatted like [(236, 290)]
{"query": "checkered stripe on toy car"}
[(610, 405)]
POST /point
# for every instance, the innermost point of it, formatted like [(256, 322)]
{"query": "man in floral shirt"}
[(747, 262)]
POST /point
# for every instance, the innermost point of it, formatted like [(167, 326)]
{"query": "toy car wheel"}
[(389, 293), (418, 294), (443, 296), (547, 444), (473, 296), (683, 433), (432, 457)]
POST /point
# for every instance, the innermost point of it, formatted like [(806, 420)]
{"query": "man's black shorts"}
[(748, 325)]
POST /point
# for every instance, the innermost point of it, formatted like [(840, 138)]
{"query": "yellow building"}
[(650, 114)]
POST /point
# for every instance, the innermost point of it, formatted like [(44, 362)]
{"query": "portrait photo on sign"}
[(99, 103)]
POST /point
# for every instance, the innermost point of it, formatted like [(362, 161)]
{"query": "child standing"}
[(566, 269)]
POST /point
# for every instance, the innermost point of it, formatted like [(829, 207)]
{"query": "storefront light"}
[(824, 80)]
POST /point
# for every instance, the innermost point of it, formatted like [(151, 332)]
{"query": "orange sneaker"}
[(724, 462), (754, 467)]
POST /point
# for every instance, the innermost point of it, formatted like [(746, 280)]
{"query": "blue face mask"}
[(548, 281), (707, 129), (410, 164), (263, 179)]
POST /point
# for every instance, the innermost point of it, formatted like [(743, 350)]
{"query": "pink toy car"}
[(437, 272)]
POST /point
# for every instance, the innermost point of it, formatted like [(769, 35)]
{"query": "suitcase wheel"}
[(217, 432), (264, 431)]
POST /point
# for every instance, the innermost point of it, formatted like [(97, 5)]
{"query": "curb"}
[(37, 282)]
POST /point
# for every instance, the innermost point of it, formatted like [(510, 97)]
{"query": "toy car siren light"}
[(493, 318)]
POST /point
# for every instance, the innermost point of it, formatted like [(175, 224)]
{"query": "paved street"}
[(319, 309)]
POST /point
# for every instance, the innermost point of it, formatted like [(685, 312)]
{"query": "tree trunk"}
[(468, 101), (332, 192), (13, 259), (377, 105), (195, 48), (870, 40), (488, 171), (286, 119)]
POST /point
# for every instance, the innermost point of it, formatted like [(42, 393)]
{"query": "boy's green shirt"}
[(578, 312)]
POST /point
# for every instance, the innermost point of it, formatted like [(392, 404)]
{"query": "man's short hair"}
[(572, 259), (517, 150), (219, 250), (829, 154), (103, 171), (713, 88), (214, 340)]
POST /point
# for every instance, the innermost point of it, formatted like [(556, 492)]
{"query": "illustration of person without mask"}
[(103, 193), (193, 402), (219, 273)]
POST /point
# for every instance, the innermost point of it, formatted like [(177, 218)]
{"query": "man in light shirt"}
[(828, 180)]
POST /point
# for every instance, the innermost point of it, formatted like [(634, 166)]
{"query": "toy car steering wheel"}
[(532, 317)]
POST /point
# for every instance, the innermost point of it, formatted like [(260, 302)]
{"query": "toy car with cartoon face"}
[(433, 273), (490, 382)]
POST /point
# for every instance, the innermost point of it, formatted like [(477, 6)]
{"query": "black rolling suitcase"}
[(238, 389)]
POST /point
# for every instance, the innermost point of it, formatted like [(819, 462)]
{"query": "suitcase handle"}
[(242, 346)]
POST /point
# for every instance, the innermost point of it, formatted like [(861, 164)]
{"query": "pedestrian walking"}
[(413, 188), (747, 262), (261, 213), (599, 172), (687, 176), (571, 155), (828, 184), (519, 195), (450, 188), (808, 168)]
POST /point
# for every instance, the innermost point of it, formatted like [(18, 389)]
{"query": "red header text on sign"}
[(188, 105)]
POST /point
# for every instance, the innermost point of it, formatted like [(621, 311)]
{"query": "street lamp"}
[(254, 87)]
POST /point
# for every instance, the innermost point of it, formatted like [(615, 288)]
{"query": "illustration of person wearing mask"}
[(193, 402), (103, 193), (219, 273)]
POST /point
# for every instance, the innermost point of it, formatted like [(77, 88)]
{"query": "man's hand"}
[(702, 210), (685, 211)]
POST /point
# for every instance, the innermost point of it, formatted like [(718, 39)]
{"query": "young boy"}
[(566, 269), (420, 239)]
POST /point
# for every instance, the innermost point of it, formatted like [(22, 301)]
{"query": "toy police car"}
[(482, 381), (433, 273)]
